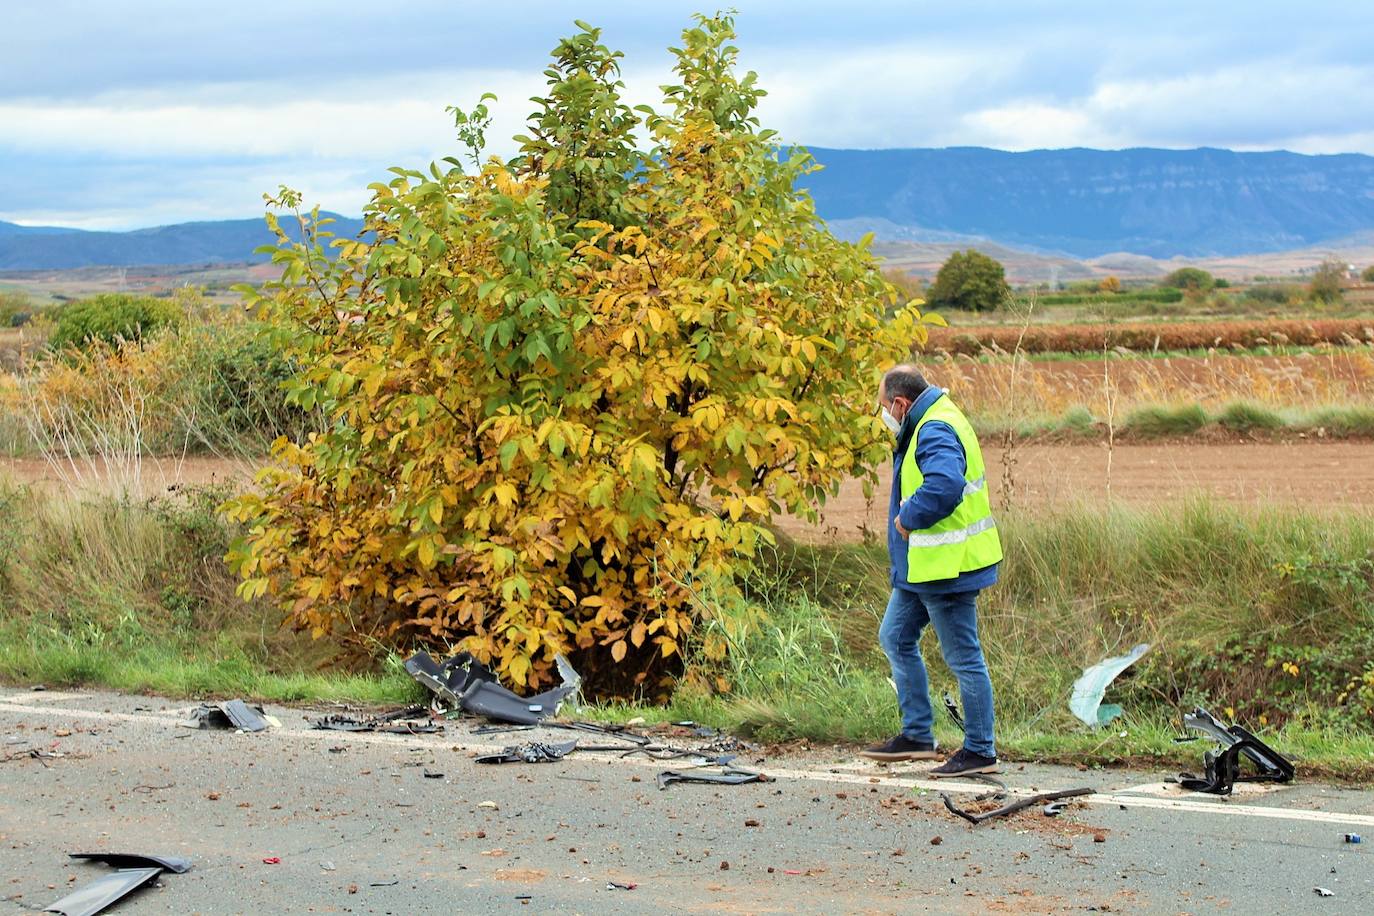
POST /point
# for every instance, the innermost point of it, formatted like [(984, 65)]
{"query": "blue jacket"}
[(940, 456)]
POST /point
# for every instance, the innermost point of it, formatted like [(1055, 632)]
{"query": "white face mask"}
[(890, 421)]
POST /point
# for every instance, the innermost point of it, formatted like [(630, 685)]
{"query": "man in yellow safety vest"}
[(944, 549)]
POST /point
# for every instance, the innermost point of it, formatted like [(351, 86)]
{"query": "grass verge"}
[(134, 596)]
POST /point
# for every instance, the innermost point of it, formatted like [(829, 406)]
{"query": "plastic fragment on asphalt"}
[(726, 777), (175, 864), (234, 714), (1323, 892), (1086, 700), (90, 899)]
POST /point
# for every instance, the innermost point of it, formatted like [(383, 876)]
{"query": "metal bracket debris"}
[(1018, 805), (953, 711), (534, 752), (465, 683), (1222, 771), (728, 776)]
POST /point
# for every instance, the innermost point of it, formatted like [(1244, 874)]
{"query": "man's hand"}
[(897, 522)]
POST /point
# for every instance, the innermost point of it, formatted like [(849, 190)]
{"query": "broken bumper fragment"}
[(465, 683)]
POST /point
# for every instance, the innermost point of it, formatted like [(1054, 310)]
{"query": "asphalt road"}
[(359, 828)]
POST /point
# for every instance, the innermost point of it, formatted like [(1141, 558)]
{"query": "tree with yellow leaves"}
[(567, 393)]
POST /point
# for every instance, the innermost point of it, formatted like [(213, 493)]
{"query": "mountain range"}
[(1080, 203)]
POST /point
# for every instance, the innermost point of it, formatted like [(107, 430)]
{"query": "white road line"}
[(1181, 805), (39, 696)]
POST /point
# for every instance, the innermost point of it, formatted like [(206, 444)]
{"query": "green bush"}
[(1353, 420), (1142, 296), (15, 309), (112, 317), (229, 399), (1190, 278), (1160, 420), (1275, 293), (1243, 416)]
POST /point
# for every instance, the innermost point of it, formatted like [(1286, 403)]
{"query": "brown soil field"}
[(1321, 475), (1318, 475)]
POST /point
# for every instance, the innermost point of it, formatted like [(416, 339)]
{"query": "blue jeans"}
[(956, 626)]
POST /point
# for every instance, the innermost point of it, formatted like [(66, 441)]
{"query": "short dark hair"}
[(904, 381)]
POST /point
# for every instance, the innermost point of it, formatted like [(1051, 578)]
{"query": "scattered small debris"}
[(392, 883), (617, 886), (431, 774), (38, 688), (936, 840), (1099, 838), (1323, 892), (412, 720), (212, 796), (1353, 838), (534, 752), (1054, 809), (751, 822), (724, 865), (1015, 806), (272, 860), (327, 866), (489, 804)]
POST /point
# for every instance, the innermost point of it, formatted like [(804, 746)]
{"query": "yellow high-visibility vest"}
[(966, 539)]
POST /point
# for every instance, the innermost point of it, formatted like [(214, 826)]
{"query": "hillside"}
[(1088, 203), (1073, 203), (219, 241)]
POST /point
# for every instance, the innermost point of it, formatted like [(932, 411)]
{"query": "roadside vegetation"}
[(1262, 615)]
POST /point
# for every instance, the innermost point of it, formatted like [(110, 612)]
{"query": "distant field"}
[(49, 287)]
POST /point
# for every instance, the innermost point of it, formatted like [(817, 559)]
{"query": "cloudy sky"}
[(142, 112)]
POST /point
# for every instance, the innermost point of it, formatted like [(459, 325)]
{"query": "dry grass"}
[(1008, 390), (1154, 336)]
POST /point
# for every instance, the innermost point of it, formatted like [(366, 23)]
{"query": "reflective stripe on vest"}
[(967, 538), (957, 536)]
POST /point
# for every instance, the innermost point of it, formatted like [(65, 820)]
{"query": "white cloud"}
[(356, 121), (883, 96), (1265, 104)]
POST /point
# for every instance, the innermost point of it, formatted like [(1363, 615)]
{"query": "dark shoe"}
[(965, 763), (900, 748)]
